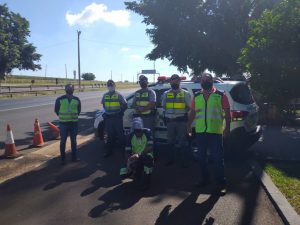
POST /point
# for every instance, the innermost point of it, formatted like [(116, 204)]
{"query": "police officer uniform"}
[(114, 104)]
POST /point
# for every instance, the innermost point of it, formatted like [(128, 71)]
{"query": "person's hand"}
[(226, 132), (134, 156), (189, 130)]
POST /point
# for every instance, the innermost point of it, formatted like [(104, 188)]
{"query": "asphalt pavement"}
[(90, 192), (21, 113)]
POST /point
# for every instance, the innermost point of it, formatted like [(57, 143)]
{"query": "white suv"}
[(245, 130)]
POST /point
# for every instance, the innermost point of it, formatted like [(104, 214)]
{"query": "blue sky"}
[(112, 38)]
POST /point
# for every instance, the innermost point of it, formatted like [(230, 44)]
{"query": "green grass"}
[(286, 176)]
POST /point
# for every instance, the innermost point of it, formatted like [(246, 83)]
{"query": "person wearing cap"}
[(114, 104), (139, 154), (68, 108), (176, 104), (144, 103), (208, 109)]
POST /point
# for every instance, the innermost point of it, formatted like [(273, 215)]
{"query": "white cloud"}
[(125, 49), (135, 57), (98, 12)]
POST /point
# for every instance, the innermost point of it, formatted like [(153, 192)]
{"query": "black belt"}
[(176, 119)]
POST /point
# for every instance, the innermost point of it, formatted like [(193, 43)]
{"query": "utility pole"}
[(111, 74), (78, 35), (66, 71)]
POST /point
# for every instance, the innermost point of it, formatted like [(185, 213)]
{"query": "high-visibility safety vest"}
[(68, 111), (112, 103), (142, 98), (175, 104), (209, 113), (138, 145)]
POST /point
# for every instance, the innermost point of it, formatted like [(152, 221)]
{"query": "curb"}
[(283, 207), (31, 161)]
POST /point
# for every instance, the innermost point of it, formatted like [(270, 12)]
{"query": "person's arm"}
[(124, 104), (149, 146), (226, 109), (79, 106), (188, 100), (57, 106), (191, 117), (150, 105)]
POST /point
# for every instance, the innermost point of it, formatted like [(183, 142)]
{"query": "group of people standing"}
[(207, 109)]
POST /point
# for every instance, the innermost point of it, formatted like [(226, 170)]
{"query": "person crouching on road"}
[(176, 104), (139, 154), (114, 104), (68, 108), (207, 109)]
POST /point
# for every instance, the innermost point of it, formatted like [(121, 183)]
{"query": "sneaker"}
[(221, 190)]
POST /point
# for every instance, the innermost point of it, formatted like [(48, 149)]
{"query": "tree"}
[(88, 76), (272, 53), (199, 34), (15, 50)]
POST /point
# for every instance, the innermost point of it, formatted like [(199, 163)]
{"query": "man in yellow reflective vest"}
[(176, 104), (208, 109), (144, 103), (114, 104), (68, 108)]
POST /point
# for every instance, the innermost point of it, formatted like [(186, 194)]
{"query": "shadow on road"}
[(189, 211)]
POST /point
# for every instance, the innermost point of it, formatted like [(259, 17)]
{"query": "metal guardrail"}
[(36, 89)]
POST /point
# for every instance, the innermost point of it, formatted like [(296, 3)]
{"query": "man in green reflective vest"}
[(208, 109), (114, 104), (68, 108), (176, 104), (139, 155)]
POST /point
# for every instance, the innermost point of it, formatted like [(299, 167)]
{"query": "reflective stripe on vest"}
[(139, 144), (175, 104), (142, 99), (68, 111), (112, 103), (209, 114)]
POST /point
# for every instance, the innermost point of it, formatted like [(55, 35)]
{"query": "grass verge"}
[(286, 176), (53, 92)]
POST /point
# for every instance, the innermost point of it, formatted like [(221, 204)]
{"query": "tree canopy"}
[(199, 34), (88, 76), (15, 50), (272, 53)]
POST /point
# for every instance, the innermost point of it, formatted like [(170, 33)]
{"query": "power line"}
[(58, 44), (115, 43)]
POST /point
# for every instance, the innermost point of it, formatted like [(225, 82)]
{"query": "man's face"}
[(143, 83), (69, 89), (175, 83), (206, 82), (138, 132)]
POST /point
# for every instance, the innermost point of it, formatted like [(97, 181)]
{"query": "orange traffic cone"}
[(10, 147), (55, 130), (38, 140)]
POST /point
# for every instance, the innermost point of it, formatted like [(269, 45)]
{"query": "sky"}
[(113, 40)]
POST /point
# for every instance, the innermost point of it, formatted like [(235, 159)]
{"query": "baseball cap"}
[(110, 83), (137, 123), (143, 78), (175, 77)]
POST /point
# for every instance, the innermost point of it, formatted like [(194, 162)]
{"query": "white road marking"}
[(32, 106)]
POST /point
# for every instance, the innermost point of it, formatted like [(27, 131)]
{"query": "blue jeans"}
[(66, 129), (213, 142)]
